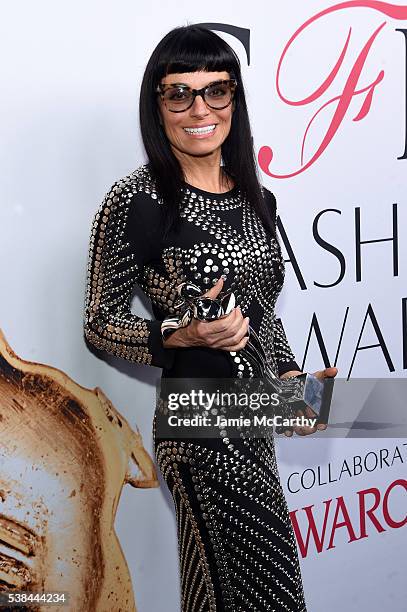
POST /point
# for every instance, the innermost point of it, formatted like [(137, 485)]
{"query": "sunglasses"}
[(178, 97)]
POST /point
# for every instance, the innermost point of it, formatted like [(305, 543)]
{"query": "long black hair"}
[(189, 49)]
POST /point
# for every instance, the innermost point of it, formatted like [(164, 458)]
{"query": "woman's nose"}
[(199, 107)]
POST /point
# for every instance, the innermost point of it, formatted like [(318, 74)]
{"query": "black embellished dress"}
[(237, 551)]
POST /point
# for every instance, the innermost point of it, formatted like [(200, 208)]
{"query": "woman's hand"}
[(308, 412), (229, 333)]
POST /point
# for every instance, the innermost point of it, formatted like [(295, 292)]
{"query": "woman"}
[(185, 216)]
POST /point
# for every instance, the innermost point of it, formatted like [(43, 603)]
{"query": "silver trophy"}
[(297, 392)]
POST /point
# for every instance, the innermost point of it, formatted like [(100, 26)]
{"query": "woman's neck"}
[(205, 172)]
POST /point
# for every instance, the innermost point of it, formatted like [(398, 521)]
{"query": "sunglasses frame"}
[(162, 88)]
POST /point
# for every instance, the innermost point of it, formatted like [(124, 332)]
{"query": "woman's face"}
[(177, 125)]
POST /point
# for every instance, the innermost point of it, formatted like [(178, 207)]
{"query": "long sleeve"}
[(125, 236), (285, 357)]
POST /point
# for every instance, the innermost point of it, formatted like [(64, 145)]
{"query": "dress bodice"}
[(219, 234)]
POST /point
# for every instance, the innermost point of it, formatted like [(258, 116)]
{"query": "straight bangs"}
[(194, 50)]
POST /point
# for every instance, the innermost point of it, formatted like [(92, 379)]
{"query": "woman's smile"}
[(201, 132)]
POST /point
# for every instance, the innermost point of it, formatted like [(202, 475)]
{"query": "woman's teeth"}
[(203, 130)]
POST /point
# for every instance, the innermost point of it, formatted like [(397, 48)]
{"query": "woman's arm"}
[(286, 363), (124, 237)]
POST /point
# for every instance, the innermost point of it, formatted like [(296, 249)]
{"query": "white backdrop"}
[(71, 74)]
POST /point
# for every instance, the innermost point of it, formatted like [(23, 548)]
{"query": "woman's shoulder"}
[(267, 194), (138, 184), (136, 195), (132, 201), (270, 200)]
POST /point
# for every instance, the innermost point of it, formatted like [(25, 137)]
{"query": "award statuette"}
[(297, 392)]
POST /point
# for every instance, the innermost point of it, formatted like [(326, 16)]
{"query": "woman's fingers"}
[(305, 430), (330, 372), (326, 373), (235, 338), (213, 330), (299, 430), (225, 333), (214, 291), (237, 324), (236, 347), (227, 325), (309, 412)]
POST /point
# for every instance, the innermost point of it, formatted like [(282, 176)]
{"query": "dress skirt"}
[(236, 545)]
